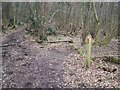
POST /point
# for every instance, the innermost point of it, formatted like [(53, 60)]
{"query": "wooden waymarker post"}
[(88, 41)]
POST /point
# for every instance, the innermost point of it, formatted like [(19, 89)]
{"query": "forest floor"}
[(27, 64)]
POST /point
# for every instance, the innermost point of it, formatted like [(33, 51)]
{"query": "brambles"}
[(38, 29), (50, 31)]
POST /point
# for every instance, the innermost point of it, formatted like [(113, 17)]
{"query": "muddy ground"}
[(27, 64)]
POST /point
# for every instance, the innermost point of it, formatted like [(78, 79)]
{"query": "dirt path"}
[(26, 64)]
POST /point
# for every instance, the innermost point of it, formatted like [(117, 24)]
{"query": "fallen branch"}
[(57, 41), (5, 45), (111, 59), (69, 41), (108, 68)]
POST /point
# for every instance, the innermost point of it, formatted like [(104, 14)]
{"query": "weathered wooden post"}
[(88, 41)]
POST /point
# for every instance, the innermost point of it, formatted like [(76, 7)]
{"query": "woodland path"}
[(27, 65)]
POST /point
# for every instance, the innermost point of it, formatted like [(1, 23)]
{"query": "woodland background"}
[(100, 19)]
